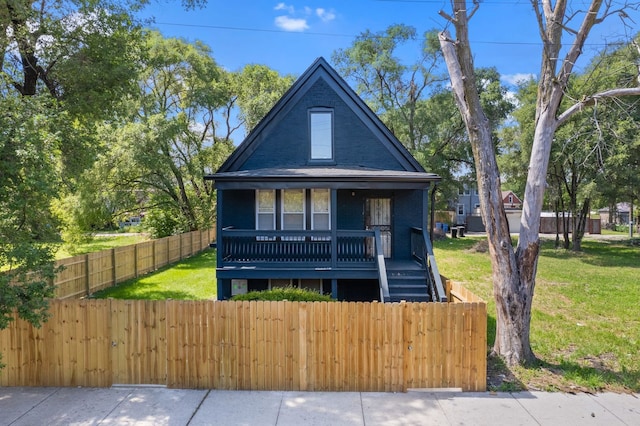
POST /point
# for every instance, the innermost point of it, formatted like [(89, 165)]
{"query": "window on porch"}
[(266, 210)]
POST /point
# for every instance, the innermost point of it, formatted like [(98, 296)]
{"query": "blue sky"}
[(289, 36)]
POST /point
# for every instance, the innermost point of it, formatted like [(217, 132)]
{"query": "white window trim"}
[(313, 212), (273, 213), (304, 212), (331, 136), (458, 210)]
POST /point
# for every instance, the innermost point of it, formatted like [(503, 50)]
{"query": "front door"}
[(378, 215)]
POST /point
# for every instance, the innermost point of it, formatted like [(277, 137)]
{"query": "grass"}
[(99, 243), (585, 327), (193, 278)]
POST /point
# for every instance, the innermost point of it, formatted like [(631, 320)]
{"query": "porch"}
[(331, 255)]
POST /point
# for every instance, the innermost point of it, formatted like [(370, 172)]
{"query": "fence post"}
[(113, 263), (135, 260), (86, 272), (168, 250), (407, 357), (153, 254)]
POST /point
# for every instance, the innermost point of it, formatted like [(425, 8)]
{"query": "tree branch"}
[(593, 99)]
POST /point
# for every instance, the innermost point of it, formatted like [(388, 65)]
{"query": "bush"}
[(285, 293)]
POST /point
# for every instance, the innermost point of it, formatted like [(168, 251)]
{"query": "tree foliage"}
[(27, 184), (414, 102), (65, 66)]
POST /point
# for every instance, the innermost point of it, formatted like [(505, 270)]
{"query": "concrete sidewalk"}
[(160, 406)]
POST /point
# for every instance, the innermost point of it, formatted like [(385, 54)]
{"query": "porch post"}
[(334, 231), (334, 289), (425, 211), (219, 243)]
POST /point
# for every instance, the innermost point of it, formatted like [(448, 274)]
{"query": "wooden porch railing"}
[(422, 251), (320, 248)]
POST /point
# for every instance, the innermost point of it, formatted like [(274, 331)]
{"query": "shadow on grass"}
[(456, 244), (602, 253), (565, 376), (571, 376)]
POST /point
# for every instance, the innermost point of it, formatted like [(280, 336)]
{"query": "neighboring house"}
[(620, 215), (321, 195), (467, 207), (467, 203), (511, 201)]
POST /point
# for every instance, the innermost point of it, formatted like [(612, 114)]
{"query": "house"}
[(467, 203), (467, 206), (321, 195), (511, 201), (620, 215)]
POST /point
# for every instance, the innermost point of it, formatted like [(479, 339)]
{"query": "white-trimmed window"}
[(321, 134), (293, 209), (460, 209), (266, 209), (320, 209)]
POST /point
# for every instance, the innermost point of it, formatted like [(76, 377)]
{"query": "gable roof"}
[(505, 194), (320, 69)]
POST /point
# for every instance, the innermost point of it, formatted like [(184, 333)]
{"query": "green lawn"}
[(585, 326), (194, 278)]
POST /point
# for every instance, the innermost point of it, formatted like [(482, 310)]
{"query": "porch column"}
[(425, 210), (219, 243), (334, 229)]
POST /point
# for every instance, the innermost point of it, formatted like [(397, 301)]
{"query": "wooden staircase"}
[(407, 281)]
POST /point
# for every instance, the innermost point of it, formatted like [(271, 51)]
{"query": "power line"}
[(311, 33)]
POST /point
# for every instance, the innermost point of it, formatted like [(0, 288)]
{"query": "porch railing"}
[(320, 248), (422, 251)]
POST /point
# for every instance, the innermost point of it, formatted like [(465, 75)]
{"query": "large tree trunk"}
[(513, 300)]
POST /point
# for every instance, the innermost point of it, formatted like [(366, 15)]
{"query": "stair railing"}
[(422, 250), (382, 268)]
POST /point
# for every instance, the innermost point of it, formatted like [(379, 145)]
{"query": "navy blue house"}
[(321, 195)]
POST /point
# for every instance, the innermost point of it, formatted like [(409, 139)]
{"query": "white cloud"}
[(283, 6), (325, 15), (515, 79), (291, 24)]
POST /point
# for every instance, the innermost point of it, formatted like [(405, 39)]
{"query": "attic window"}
[(321, 134)]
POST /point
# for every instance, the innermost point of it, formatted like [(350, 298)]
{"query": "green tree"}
[(157, 156), (28, 181), (414, 103), (258, 88), (63, 64)]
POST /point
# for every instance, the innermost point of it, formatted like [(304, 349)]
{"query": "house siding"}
[(239, 209), (285, 142)]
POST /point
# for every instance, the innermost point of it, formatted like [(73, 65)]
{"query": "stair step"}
[(409, 297)]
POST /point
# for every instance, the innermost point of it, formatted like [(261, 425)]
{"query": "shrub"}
[(285, 293)]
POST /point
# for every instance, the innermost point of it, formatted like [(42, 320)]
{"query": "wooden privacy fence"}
[(87, 273), (311, 346)]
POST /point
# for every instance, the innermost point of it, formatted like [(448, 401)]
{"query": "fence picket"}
[(250, 345)]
